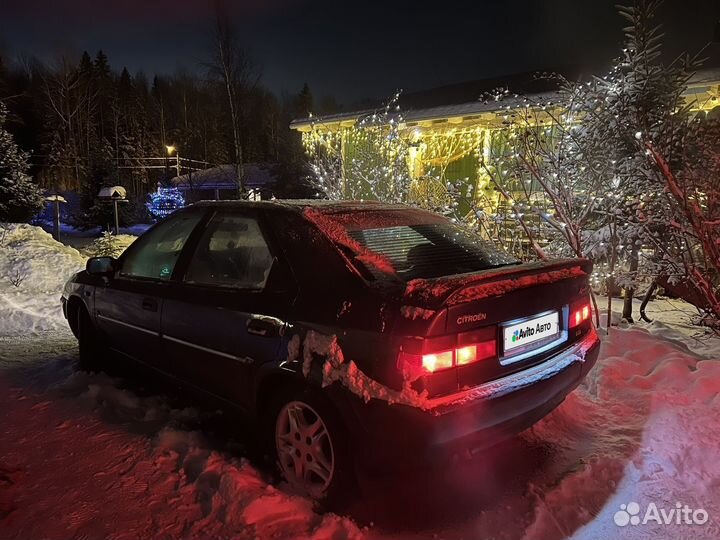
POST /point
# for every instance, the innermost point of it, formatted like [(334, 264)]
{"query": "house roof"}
[(428, 114), (255, 175), (465, 99)]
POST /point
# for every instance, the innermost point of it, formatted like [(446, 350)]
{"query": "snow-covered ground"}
[(93, 456)]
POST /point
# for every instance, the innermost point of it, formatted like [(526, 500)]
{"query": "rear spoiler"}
[(461, 288)]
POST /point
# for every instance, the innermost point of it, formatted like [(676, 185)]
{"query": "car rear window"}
[(419, 244)]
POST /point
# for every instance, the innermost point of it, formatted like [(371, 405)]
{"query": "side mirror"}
[(101, 266)]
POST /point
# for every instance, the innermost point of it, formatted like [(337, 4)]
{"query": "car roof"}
[(300, 205)]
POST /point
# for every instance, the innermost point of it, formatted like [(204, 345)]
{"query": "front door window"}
[(155, 254)]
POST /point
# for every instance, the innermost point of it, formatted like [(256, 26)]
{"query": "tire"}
[(308, 445), (90, 343)]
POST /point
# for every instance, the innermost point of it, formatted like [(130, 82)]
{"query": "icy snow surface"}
[(94, 456)]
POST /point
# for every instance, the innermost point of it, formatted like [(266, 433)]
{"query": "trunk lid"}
[(495, 304)]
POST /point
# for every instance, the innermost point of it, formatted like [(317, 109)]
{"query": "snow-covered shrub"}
[(17, 277), (687, 238)]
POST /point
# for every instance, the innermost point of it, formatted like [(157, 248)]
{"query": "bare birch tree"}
[(231, 65)]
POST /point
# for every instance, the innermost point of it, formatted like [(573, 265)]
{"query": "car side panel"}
[(128, 313), (206, 342)]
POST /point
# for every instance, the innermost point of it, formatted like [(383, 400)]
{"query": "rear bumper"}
[(478, 418)]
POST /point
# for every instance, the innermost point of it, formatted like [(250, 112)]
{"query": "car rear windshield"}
[(419, 244)]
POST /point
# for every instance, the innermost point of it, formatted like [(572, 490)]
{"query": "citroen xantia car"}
[(352, 334)]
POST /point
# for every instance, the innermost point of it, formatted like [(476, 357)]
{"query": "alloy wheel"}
[(304, 448)]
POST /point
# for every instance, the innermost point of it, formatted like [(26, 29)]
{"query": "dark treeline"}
[(79, 118)]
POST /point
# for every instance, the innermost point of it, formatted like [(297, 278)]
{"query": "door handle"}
[(149, 304), (264, 326)]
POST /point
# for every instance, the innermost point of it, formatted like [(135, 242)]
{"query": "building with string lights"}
[(453, 134)]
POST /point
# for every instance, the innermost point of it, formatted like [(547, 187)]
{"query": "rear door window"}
[(231, 253)]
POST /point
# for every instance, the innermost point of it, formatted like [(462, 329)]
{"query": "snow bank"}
[(673, 319), (650, 405), (33, 270)]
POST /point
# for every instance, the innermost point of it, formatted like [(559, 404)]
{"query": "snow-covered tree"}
[(107, 245), (325, 153), (20, 198), (367, 161), (583, 148), (686, 237), (642, 101)]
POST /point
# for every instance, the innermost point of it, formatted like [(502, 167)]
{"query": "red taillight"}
[(417, 365), (579, 314)]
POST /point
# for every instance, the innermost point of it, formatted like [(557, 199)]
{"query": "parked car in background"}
[(353, 334)]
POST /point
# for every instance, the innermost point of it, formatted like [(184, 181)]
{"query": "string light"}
[(165, 201)]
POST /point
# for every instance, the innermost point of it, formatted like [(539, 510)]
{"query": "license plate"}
[(530, 333)]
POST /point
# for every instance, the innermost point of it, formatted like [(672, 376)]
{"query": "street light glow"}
[(170, 149)]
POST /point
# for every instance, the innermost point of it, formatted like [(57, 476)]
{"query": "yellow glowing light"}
[(465, 355)]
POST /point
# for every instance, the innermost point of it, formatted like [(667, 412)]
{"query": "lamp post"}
[(170, 150)]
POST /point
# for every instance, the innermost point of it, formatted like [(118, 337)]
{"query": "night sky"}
[(350, 50)]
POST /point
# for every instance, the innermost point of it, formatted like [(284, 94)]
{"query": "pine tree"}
[(102, 79), (304, 102), (106, 246), (20, 198), (3, 76), (642, 100)]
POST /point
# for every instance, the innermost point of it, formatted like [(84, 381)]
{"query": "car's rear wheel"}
[(90, 343), (309, 448)]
